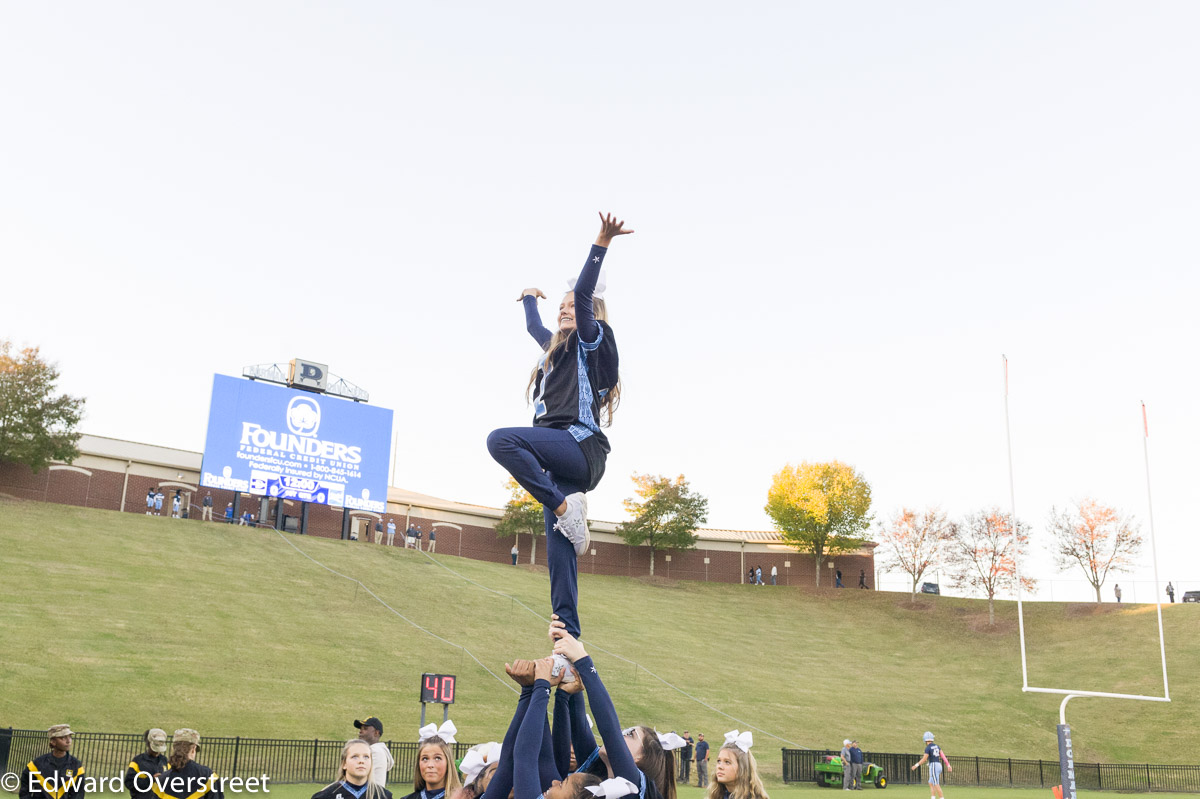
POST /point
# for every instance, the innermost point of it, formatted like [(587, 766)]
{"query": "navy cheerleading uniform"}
[(565, 450)]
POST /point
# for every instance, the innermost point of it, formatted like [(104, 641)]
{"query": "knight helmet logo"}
[(303, 416)]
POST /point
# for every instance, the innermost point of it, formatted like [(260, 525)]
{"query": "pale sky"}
[(845, 213)]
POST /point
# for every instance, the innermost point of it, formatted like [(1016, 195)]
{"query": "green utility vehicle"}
[(829, 773)]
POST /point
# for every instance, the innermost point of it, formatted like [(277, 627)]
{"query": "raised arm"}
[(533, 320), (619, 758), (526, 773), (502, 781), (585, 285)]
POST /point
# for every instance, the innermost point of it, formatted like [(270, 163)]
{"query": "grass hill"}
[(117, 622)]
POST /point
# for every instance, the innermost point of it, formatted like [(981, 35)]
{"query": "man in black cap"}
[(371, 731), (58, 774), (139, 775)]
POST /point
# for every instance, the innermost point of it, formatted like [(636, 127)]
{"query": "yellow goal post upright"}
[(1066, 755)]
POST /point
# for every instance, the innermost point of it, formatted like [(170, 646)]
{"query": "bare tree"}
[(914, 542), (983, 555), (1095, 537)]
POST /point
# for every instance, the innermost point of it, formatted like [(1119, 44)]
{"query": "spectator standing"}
[(410, 537), (379, 530), (862, 578), (158, 502), (1171, 592), (514, 552), (856, 760), (432, 539), (419, 535), (685, 758), (184, 777), (205, 515), (701, 760), (774, 575), (139, 775), (371, 731), (176, 504), (150, 502), (229, 513), (1117, 592), (847, 766), (391, 530), (58, 774), (838, 578)]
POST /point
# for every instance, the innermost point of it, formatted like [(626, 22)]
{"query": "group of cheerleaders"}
[(574, 389)]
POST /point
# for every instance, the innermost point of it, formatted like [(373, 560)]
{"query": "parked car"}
[(930, 588), (1191, 596), (829, 773)]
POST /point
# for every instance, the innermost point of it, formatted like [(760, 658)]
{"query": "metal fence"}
[(799, 765), (107, 754)]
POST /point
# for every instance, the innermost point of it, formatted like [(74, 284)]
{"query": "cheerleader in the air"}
[(574, 390)]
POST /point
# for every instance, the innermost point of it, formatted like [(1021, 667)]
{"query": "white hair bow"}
[(671, 741), (742, 740), (601, 284), (613, 789), (477, 758), (445, 732)]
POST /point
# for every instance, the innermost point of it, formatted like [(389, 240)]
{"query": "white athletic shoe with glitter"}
[(573, 523)]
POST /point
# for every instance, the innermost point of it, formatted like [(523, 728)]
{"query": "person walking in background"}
[(514, 552), (150, 502), (432, 539), (847, 766), (205, 516), (57, 774), (139, 775), (838, 578), (936, 758), (701, 760), (758, 575), (1117, 593), (774, 575), (391, 530), (862, 578), (382, 761), (1171, 593), (685, 758)]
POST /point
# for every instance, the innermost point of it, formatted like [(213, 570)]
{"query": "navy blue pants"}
[(549, 464)]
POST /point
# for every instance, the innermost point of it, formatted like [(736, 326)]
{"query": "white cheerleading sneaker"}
[(573, 523)]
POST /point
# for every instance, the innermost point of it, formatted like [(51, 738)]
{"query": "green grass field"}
[(118, 622)]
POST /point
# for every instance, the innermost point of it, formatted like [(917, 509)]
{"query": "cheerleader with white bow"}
[(736, 773), (435, 776)]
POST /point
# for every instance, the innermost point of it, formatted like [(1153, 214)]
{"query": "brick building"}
[(111, 474)]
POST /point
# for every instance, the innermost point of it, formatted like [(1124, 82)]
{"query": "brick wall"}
[(102, 489)]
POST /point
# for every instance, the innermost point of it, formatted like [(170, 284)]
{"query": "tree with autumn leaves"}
[(983, 555), (1096, 538), (822, 508), (522, 514), (915, 542), (37, 424), (665, 514)]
